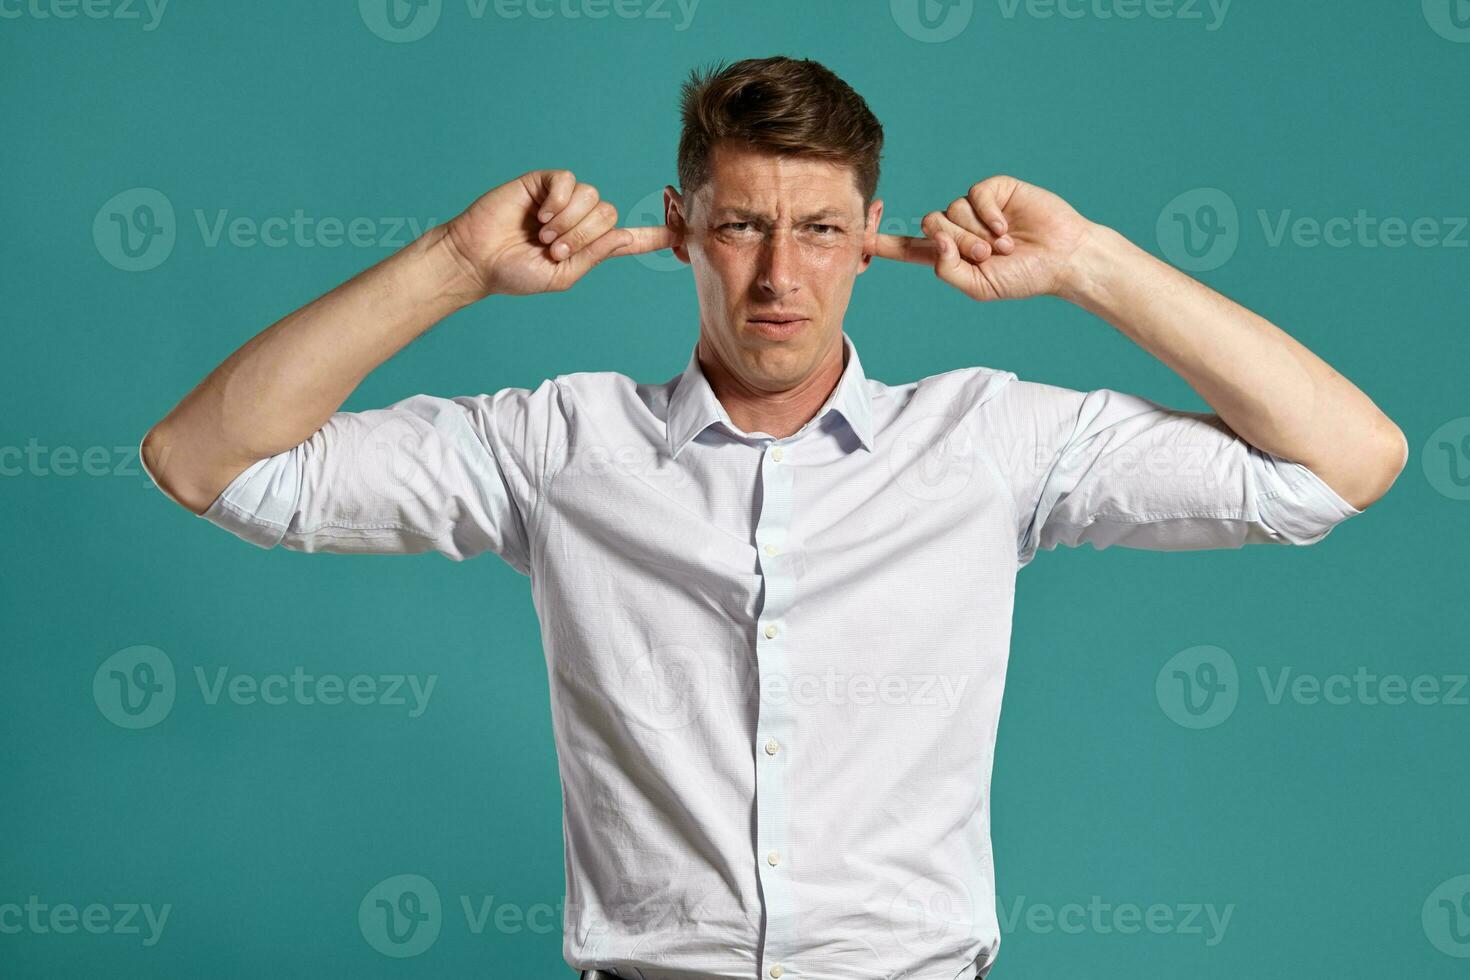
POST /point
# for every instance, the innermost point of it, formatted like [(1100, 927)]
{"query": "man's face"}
[(773, 237)]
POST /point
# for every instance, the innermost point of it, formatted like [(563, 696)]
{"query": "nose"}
[(778, 265)]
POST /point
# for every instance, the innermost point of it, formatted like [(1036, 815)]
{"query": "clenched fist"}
[(1005, 239), (542, 232)]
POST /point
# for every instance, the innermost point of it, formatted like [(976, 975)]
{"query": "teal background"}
[(1326, 827)]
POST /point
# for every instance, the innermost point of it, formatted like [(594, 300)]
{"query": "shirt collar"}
[(693, 406)]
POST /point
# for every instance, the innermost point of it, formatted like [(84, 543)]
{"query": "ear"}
[(675, 218), (870, 234)]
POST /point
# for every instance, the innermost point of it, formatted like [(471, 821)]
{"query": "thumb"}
[(947, 262)]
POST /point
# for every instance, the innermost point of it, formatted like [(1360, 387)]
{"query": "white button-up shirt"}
[(776, 665)]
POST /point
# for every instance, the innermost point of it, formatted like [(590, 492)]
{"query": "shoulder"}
[(612, 395), (959, 390)]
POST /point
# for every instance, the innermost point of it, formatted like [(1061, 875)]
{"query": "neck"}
[(778, 413)]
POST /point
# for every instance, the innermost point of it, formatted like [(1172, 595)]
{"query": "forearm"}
[(1268, 388), (281, 386)]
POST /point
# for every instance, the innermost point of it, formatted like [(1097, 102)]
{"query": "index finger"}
[(649, 239), (903, 248)]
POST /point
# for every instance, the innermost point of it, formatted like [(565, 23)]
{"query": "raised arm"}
[(1007, 239), (538, 233)]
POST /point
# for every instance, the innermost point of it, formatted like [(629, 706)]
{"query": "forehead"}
[(772, 183)]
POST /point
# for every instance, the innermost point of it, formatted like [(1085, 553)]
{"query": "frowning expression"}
[(775, 243)]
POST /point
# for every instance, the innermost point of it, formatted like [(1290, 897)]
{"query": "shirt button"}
[(772, 747), (771, 631), (771, 549), (777, 970), (773, 858), (776, 454)]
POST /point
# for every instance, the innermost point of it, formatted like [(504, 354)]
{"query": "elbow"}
[(164, 467), (1381, 468)]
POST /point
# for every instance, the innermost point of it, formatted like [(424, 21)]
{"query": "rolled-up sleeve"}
[(460, 476), (1105, 467)]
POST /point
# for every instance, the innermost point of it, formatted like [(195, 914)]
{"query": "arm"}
[(1270, 389), (285, 383), (1007, 240)]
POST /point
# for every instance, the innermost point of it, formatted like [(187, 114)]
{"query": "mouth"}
[(776, 326)]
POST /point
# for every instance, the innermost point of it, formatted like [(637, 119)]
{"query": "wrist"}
[(459, 277), (1095, 265)]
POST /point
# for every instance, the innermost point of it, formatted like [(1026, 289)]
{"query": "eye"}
[(735, 225), (825, 229)]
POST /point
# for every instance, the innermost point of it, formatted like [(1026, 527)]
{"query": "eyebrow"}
[(747, 215)]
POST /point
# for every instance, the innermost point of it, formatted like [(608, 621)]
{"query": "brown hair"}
[(778, 105)]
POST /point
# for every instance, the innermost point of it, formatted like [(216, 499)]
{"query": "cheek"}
[(726, 268), (832, 270)]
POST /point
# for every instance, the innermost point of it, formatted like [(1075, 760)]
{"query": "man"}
[(775, 595)]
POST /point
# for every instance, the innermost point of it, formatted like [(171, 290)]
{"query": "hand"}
[(542, 232), (1006, 239)]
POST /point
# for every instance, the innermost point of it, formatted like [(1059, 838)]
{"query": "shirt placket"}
[(774, 642)]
